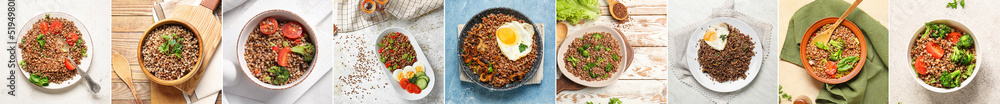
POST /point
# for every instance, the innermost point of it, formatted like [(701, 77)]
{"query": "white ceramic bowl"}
[(956, 25), (253, 24), (622, 64), (84, 63)]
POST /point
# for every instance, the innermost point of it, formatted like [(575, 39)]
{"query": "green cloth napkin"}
[(870, 86)]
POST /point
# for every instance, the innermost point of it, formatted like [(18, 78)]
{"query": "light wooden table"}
[(794, 79), (645, 81), (129, 19)]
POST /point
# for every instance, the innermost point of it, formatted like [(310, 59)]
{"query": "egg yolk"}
[(506, 35), (419, 69), (710, 35)]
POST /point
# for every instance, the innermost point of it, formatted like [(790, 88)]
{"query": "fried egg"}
[(515, 39), (716, 35)]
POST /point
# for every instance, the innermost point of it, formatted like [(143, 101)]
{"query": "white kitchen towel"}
[(680, 71), (351, 18), (537, 78)]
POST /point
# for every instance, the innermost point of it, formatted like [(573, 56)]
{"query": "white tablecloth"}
[(96, 17)]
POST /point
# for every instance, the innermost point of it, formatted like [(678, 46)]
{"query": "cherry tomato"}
[(44, 26), (283, 56), (953, 36), (934, 50), (72, 38), (920, 66), (55, 25), (292, 30), (831, 68), (268, 26), (69, 66)]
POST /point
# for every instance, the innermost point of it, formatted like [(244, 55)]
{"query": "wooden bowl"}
[(190, 74), (816, 28)]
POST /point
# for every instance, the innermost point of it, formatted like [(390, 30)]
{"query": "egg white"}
[(714, 36), (524, 32)]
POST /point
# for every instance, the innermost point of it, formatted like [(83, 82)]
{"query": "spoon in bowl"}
[(824, 37)]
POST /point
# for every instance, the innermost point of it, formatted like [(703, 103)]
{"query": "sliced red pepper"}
[(388, 64), (275, 48), (934, 50), (292, 30), (283, 56), (831, 68), (268, 26), (380, 50), (69, 66), (953, 36), (920, 66)]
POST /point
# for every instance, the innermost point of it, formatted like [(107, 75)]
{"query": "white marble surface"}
[(96, 17), (908, 16), (317, 14), (429, 33)]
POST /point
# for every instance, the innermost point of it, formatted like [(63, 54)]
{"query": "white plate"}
[(420, 59), (278, 15), (577, 34), (84, 63), (704, 79), (960, 27)]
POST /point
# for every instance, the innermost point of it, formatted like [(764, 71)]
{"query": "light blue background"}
[(458, 92)]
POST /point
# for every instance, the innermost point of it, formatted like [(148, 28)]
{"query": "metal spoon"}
[(824, 37), (94, 87)]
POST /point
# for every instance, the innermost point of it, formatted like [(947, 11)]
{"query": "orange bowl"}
[(816, 27), (182, 79)]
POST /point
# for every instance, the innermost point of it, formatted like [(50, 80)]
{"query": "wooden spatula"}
[(824, 37), (120, 65)]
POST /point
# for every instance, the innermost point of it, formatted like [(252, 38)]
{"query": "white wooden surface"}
[(645, 81)]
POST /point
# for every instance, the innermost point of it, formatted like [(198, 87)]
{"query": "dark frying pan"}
[(478, 19)]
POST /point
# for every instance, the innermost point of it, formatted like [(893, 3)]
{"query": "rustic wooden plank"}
[(120, 91), (628, 91), (640, 30), (137, 7), (130, 102), (647, 63), (137, 23)]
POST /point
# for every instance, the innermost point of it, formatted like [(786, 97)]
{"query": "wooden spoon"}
[(824, 37), (120, 65), (612, 4)]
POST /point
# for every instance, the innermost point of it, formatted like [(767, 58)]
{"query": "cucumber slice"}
[(422, 83)]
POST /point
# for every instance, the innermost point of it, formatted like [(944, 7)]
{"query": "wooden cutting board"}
[(210, 28)]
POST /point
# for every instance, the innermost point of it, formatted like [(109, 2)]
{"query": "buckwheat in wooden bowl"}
[(170, 52)]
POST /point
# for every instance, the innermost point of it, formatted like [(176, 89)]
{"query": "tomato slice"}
[(69, 66), (72, 38), (831, 68), (292, 30), (44, 26), (55, 25), (283, 56), (934, 50), (953, 36), (268, 26), (920, 66)]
